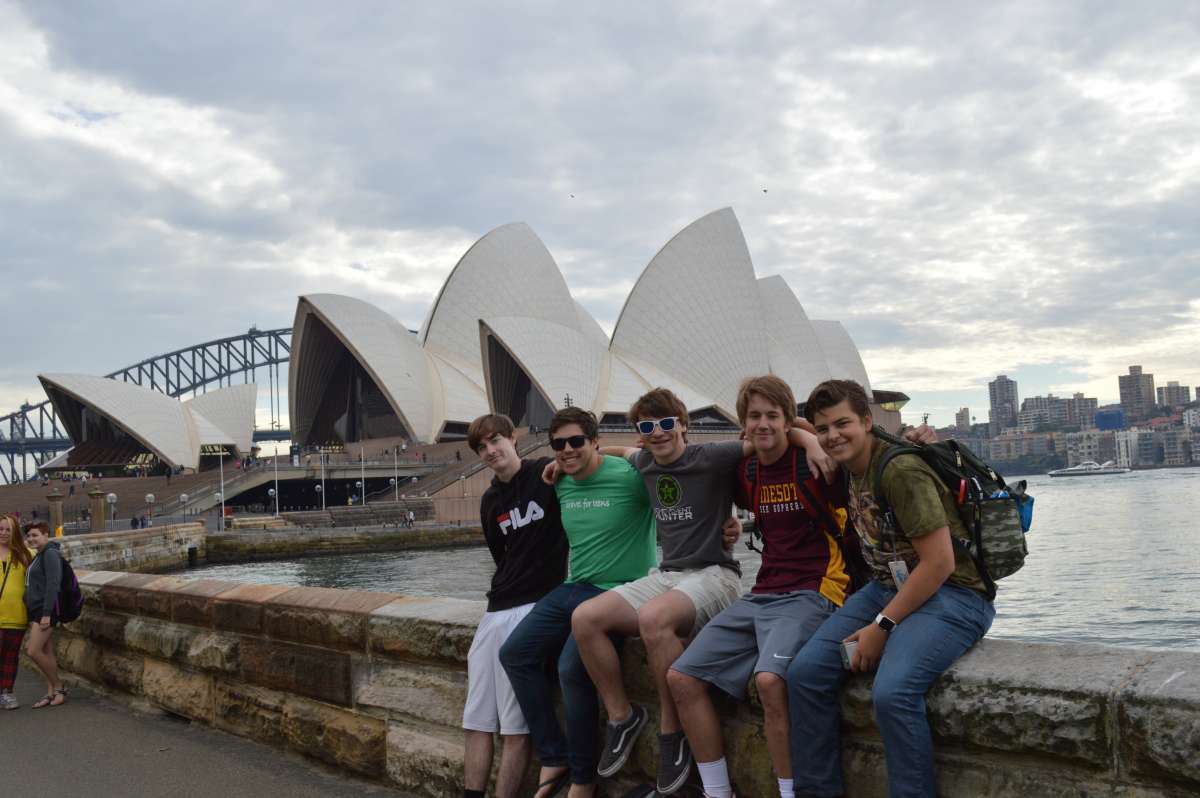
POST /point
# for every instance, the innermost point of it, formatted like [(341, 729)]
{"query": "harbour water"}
[(1113, 560)]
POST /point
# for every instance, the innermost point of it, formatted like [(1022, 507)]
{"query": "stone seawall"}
[(375, 682), (162, 548), (168, 548), (275, 544)]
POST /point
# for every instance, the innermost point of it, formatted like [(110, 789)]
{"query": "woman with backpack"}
[(43, 579), (14, 561)]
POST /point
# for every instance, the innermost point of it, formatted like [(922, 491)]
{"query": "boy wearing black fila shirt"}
[(521, 523)]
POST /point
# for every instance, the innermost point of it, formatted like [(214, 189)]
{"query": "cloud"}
[(969, 190)]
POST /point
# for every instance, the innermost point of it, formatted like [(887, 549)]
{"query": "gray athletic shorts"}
[(757, 633)]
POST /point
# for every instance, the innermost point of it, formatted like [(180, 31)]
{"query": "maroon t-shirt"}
[(798, 551)]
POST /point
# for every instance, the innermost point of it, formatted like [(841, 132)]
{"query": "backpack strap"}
[(750, 483)]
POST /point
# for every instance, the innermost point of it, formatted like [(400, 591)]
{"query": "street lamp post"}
[(271, 492), (362, 469), (150, 507), (462, 480), (395, 473), (220, 497), (396, 487), (321, 492), (275, 492), (112, 510), (362, 494), (183, 499), (221, 468)]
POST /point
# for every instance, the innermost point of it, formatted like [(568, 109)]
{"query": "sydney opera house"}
[(118, 424), (505, 334)]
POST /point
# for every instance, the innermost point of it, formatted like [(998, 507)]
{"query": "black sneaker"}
[(618, 742), (675, 762)]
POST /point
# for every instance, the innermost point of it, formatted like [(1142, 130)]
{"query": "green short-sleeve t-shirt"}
[(922, 504), (609, 524)]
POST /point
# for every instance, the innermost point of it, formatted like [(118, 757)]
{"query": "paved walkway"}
[(96, 747)]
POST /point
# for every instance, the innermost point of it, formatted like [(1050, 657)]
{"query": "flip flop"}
[(42, 702), (556, 784)]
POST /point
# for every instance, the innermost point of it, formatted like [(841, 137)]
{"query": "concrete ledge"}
[(375, 683), (253, 545)]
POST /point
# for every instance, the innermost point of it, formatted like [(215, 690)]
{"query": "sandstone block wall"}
[(274, 544), (374, 683), (159, 548)]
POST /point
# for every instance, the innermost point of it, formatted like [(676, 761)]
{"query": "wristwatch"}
[(885, 623)]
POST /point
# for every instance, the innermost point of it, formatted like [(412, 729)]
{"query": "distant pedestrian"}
[(14, 560), (42, 582), (143, 523), (133, 522), (458, 455), (411, 517), (71, 490)]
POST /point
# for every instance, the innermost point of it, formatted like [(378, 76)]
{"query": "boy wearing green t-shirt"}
[(607, 517)]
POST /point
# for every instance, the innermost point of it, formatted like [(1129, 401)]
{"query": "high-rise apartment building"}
[(1002, 404), (1173, 395), (1137, 393), (962, 419), (1081, 411)]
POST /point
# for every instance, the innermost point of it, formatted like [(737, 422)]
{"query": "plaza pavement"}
[(95, 747)]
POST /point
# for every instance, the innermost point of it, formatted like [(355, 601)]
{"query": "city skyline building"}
[(962, 419), (1173, 394), (1002, 404), (1137, 393)]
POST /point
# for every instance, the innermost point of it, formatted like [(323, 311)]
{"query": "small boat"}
[(1090, 469)]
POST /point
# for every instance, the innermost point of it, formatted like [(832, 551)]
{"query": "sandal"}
[(62, 691), (556, 785), (43, 702)]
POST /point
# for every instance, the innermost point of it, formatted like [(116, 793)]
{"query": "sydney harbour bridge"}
[(31, 435)]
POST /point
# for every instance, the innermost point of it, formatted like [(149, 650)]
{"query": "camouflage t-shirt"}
[(921, 503)]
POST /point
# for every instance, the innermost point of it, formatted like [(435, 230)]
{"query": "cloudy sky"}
[(971, 189)]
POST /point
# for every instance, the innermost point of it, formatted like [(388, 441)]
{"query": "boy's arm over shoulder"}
[(915, 494), (723, 454)]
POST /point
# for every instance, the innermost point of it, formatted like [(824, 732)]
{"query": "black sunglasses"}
[(576, 441)]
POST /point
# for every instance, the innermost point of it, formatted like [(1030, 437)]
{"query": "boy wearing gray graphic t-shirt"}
[(691, 489)]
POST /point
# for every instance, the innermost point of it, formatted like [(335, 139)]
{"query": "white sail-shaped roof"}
[(795, 352), (845, 363), (155, 420), (458, 397), (561, 361), (508, 272), (693, 314), (231, 410), (384, 348)]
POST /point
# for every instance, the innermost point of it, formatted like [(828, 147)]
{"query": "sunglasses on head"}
[(665, 424), (576, 441)]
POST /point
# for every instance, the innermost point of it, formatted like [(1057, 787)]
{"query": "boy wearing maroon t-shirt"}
[(803, 579)]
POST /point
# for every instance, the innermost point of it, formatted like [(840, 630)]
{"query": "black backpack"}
[(847, 539), (995, 514), (69, 603)]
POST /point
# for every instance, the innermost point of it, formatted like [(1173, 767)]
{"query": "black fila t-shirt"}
[(523, 529)]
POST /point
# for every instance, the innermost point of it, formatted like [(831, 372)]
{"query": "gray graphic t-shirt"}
[(692, 498)]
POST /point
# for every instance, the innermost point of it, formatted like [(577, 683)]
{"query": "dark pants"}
[(917, 652), (542, 637), (10, 657)]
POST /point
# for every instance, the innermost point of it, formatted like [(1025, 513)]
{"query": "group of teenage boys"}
[(602, 510)]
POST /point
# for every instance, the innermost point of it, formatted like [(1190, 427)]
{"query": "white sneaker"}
[(9, 701)]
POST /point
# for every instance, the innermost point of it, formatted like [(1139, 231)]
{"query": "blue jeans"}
[(918, 651), (542, 636)]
